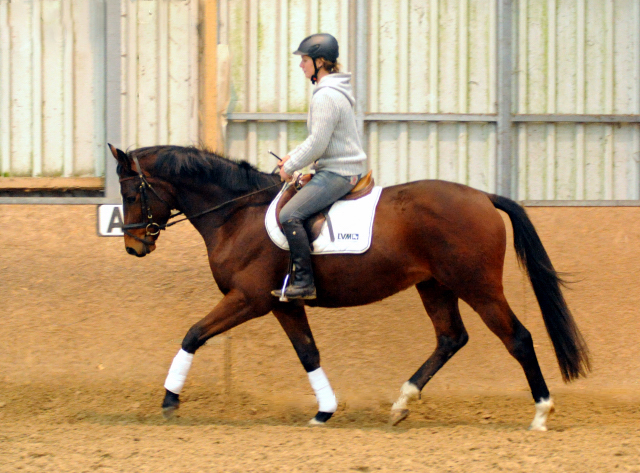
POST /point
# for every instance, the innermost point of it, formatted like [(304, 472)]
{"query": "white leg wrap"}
[(408, 392), (324, 394), (543, 408), (178, 372)]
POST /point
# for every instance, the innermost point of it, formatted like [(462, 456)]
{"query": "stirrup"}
[(281, 293)]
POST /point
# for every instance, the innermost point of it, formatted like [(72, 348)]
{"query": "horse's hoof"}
[(398, 415), (540, 428), (544, 407), (169, 412), (170, 404), (321, 418)]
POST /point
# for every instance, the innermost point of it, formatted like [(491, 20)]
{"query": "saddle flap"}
[(349, 229)]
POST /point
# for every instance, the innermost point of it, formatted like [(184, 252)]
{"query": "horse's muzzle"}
[(139, 249), (133, 252)]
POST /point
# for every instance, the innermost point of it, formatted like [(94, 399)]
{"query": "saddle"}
[(313, 225)]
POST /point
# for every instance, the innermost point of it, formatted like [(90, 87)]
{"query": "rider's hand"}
[(283, 160), (283, 175)]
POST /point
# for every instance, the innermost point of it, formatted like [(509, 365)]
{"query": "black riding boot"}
[(302, 286)]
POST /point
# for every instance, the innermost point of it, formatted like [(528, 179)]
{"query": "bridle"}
[(151, 227)]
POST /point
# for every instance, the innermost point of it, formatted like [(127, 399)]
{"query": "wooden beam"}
[(209, 119), (49, 183)]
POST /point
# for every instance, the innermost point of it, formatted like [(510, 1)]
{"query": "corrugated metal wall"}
[(578, 57), (52, 82), (435, 57), (265, 76), (424, 57), (440, 57), (52, 88), (159, 72)]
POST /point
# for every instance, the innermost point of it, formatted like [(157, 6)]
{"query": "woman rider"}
[(333, 145)]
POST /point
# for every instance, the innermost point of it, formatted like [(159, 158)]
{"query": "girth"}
[(313, 225)]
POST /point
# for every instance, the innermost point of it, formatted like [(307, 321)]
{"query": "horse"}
[(444, 238)]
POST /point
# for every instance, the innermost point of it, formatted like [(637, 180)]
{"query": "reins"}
[(168, 224), (153, 228)]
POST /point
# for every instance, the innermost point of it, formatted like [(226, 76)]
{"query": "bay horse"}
[(446, 239)]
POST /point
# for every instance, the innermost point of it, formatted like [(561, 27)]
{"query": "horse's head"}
[(147, 200)]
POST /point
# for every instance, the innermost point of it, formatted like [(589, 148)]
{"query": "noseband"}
[(153, 228)]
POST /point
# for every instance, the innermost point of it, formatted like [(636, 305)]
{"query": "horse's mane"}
[(204, 166)]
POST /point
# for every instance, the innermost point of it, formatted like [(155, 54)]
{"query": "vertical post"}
[(362, 39), (506, 166), (113, 96), (228, 363), (68, 65), (210, 128), (636, 75), (36, 38)]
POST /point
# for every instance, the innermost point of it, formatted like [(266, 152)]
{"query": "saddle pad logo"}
[(348, 236), (352, 222)]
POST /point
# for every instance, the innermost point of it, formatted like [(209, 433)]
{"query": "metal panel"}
[(52, 102), (433, 85), (266, 81), (411, 77), (5, 91), (506, 160), (579, 59), (61, 61), (400, 148), (159, 72), (429, 59), (439, 88), (113, 106)]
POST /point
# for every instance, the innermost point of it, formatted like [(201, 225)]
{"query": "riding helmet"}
[(319, 45)]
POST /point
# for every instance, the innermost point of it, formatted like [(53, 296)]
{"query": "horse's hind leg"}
[(442, 306), (293, 319), (501, 320)]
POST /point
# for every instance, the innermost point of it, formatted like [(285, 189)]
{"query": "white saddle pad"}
[(352, 222)]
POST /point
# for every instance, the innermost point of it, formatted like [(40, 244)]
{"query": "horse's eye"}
[(130, 200)]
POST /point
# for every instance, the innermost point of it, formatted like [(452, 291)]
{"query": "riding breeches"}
[(321, 191)]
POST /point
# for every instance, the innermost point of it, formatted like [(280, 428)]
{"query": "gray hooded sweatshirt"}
[(333, 141)]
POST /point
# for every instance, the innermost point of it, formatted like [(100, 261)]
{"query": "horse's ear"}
[(120, 156)]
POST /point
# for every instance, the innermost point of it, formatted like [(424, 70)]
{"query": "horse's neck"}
[(237, 212)]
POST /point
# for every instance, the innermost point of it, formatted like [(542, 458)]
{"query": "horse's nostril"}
[(131, 251)]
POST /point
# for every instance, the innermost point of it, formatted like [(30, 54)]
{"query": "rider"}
[(333, 145)]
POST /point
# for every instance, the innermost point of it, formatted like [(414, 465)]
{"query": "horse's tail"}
[(571, 349)]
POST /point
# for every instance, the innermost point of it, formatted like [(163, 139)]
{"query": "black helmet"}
[(319, 45)]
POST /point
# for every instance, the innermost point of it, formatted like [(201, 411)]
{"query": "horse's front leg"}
[(233, 310), (293, 319)]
